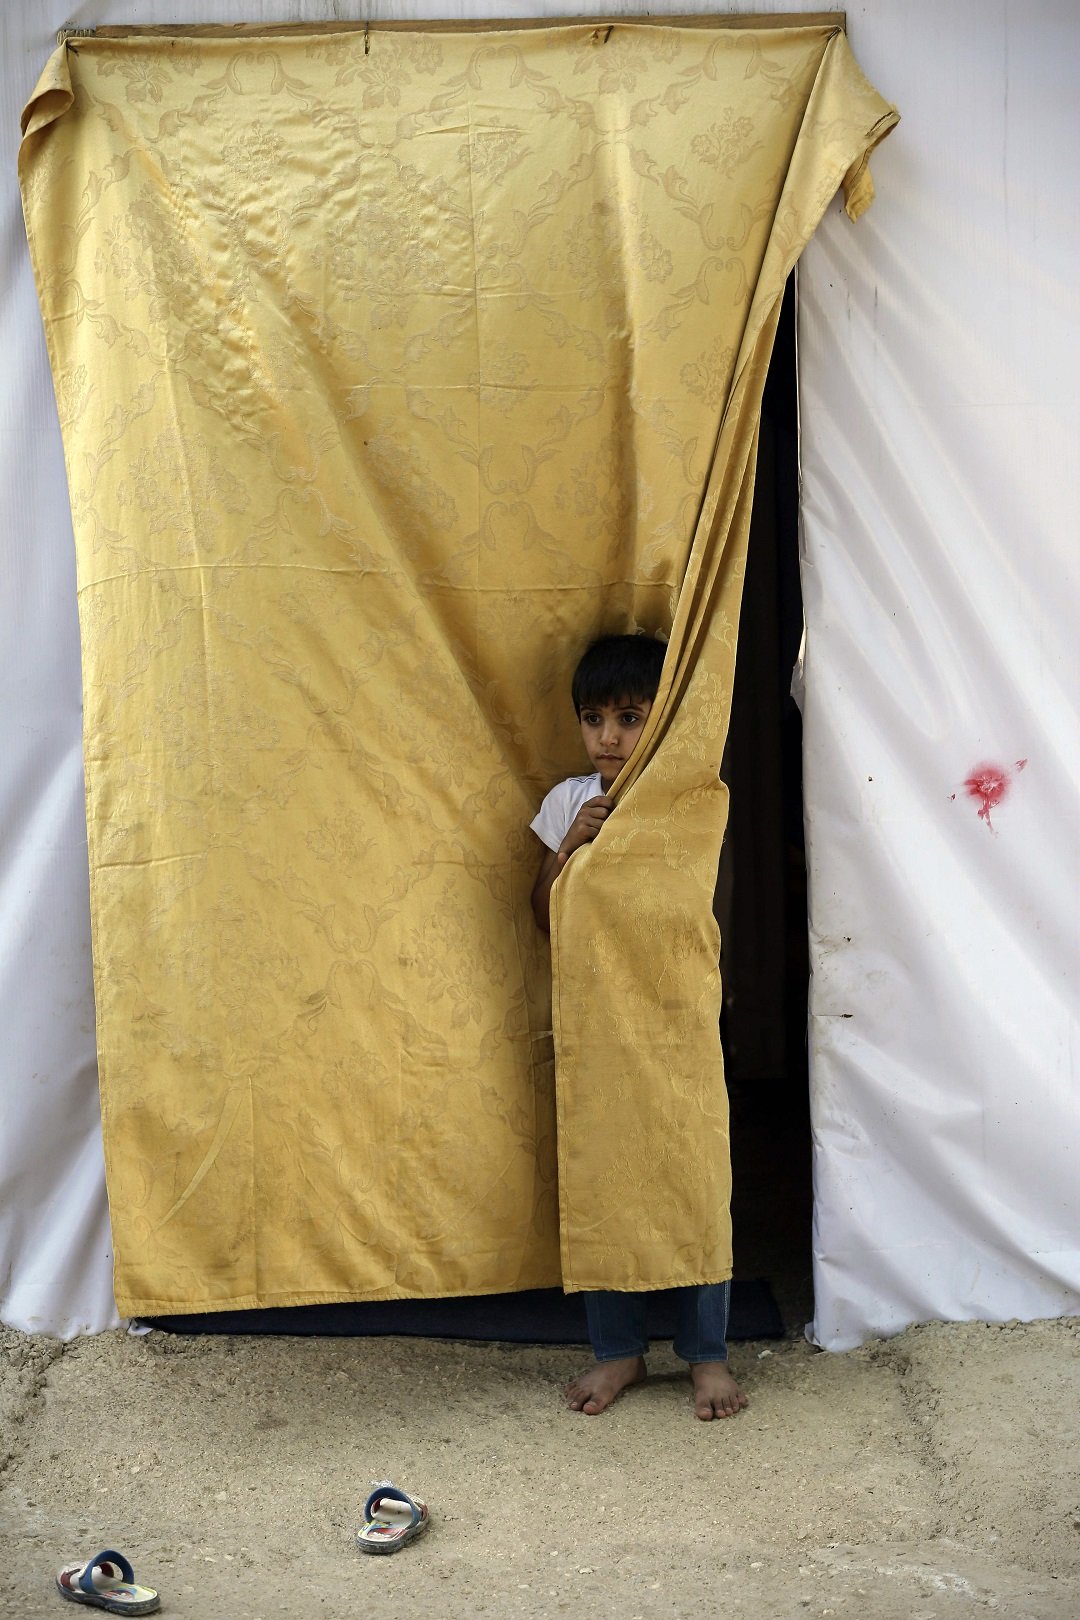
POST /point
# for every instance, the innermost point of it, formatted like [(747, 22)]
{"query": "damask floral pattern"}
[(391, 370), (709, 375), (727, 143)]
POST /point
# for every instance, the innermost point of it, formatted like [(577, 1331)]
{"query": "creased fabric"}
[(390, 372)]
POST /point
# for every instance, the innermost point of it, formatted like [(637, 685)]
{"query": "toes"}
[(579, 1398), (722, 1402)]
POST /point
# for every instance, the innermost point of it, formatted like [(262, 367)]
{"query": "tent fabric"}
[(940, 404), (389, 372)]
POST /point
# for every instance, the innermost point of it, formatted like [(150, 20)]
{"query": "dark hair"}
[(617, 667)]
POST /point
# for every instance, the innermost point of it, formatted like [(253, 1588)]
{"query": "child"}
[(613, 690)]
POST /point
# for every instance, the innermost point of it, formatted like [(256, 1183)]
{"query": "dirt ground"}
[(931, 1476)]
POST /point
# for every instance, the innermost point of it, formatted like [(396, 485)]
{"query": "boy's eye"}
[(629, 719), (592, 719)]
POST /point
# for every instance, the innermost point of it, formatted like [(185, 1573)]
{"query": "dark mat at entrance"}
[(535, 1316)]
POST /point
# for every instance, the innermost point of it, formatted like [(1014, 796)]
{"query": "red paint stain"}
[(988, 785)]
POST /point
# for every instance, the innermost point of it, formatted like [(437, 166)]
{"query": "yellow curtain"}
[(391, 370)]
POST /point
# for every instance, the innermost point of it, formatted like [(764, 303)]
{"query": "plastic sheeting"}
[(938, 367), (939, 394)]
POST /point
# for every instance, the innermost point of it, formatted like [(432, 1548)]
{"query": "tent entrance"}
[(761, 891), (761, 905)]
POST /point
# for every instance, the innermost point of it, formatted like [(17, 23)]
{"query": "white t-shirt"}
[(552, 821)]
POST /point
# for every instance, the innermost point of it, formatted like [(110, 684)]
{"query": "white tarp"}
[(938, 365), (940, 386)]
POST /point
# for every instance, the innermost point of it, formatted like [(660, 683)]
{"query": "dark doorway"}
[(761, 894)]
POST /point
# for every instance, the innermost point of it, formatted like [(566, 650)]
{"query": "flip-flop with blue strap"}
[(107, 1582), (391, 1519)]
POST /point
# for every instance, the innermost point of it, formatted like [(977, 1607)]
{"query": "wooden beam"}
[(465, 25)]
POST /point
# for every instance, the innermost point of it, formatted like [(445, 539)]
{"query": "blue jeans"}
[(617, 1323)]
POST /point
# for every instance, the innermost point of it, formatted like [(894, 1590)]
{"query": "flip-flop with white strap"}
[(107, 1582), (391, 1519)]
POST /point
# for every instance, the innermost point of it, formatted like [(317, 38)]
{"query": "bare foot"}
[(716, 1394), (595, 1389)]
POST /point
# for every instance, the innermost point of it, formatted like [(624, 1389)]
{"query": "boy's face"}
[(610, 732)]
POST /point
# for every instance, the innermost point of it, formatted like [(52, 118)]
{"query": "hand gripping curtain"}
[(390, 372)]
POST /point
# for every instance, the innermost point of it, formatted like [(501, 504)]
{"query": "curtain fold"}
[(643, 1122), (390, 372)]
